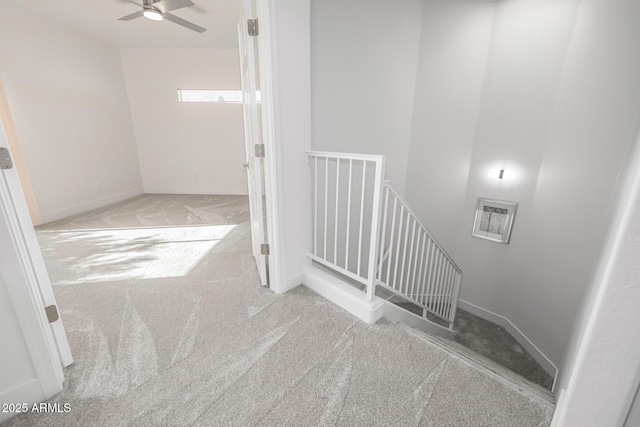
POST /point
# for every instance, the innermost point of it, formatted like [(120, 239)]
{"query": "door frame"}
[(269, 106), (254, 166), (23, 287)]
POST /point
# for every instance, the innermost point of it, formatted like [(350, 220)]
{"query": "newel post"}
[(375, 228)]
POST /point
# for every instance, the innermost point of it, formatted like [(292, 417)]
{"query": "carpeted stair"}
[(485, 364)]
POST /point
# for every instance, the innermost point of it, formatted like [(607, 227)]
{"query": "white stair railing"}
[(415, 266), (346, 209), (366, 231)]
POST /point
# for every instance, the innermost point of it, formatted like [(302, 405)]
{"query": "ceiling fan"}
[(157, 10)]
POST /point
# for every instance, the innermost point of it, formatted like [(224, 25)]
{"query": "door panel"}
[(27, 288), (253, 138), (30, 250)]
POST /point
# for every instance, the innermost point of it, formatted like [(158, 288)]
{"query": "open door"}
[(33, 335), (248, 30)]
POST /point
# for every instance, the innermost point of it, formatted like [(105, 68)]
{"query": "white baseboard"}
[(516, 333), (343, 295), (87, 206), (293, 282), (192, 191)]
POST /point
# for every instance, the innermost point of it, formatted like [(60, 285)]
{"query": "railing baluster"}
[(393, 231), (364, 186), (421, 285), (383, 234), (440, 274), (430, 274), (404, 254), (436, 280), (447, 291), (346, 251), (406, 283), (451, 292), (395, 272), (425, 273), (454, 277), (335, 235), (326, 203), (456, 294), (315, 205), (416, 260)]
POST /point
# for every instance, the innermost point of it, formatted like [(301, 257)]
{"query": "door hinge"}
[(259, 150), (5, 159), (52, 313), (264, 249), (252, 25)]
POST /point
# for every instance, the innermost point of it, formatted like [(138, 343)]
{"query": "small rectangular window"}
[(206, 95), (209, 95)]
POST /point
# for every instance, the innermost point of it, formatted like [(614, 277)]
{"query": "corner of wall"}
[(6, 122)]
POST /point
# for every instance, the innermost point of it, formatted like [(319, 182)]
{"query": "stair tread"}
[(484, 363)]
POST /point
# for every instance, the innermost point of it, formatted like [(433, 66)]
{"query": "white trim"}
[(24, 290), (295, 280), (180, 190), (343, 295), (516, 333), (268, 68), (87, 206), (560, 408), (21, 394)]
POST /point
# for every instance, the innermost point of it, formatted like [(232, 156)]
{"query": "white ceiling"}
[(99, 19)]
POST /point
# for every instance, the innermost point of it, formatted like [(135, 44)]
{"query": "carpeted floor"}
[(169, 326)]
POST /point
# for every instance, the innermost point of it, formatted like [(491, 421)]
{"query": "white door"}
[(25, 277), (253, 137)]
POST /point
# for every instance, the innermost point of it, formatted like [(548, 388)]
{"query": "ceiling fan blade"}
[(131, 1), (134, 15), (184, 23), (167, 5)]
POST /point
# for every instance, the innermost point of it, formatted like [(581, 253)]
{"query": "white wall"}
[(524, 70), (453, 57), (607, 109), (602, 366), (186, 148), (68, 100), (18, 158), (290, 64), (546, 104), (363, 64)]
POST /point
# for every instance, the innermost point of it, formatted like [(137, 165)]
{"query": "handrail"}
[(346, 156)]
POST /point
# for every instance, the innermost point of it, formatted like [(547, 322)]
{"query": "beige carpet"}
[(169, 327)]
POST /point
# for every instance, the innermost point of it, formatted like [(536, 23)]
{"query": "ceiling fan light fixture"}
[(152, 14)]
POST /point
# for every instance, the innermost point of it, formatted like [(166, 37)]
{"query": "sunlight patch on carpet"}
[(133, 253)]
